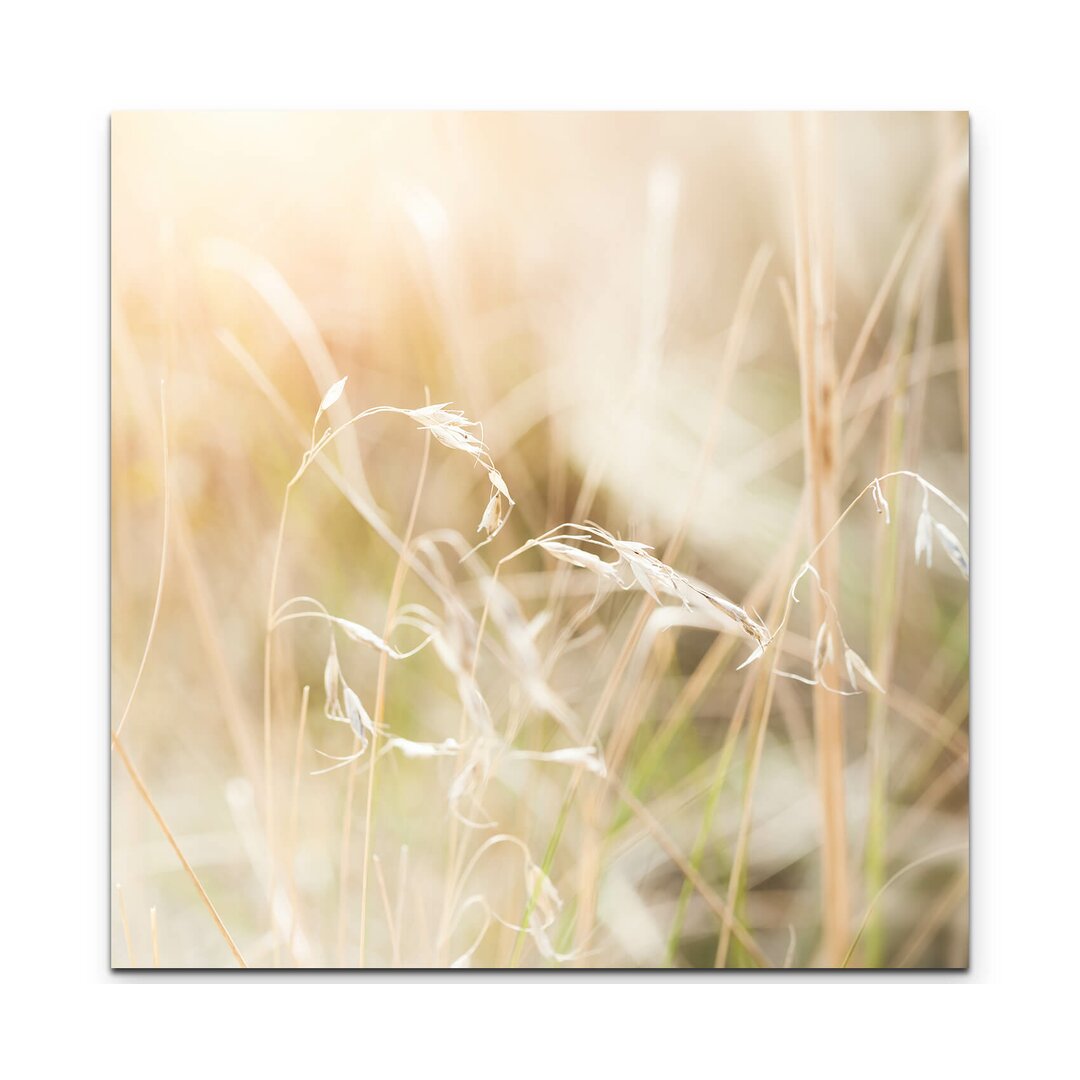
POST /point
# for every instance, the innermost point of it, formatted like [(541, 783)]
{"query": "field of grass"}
[(539, 540)]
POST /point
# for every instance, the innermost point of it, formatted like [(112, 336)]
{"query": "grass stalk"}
[(716, 787), (162, 563), (882, 645), (900, 445), (398, 583), (815, 310), (763, 689), (142, 789)]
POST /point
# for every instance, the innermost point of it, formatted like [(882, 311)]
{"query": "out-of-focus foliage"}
[(605, 296)]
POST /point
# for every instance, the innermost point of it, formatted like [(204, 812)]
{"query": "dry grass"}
[(568, 667)]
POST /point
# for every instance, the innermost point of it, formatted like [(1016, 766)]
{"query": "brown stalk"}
[(762, 700), (762, 695), (708, 893), (814, 289), (900, 441), (396, 586), (137, 780)]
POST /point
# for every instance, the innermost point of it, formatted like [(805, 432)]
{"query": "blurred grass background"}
[(571, 281)]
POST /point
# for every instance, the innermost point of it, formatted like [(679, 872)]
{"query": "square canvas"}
[(539, 540)]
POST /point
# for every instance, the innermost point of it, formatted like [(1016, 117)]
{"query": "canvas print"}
[(539, 540)]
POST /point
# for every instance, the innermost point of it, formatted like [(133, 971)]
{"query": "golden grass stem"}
[(724, 758), (693, 875), (883, 637), (716, 787), (142, 789), (398, 583), (900, 445), (163, 561), (589, 862), (742, 841), (814, 281), (764, 689)]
